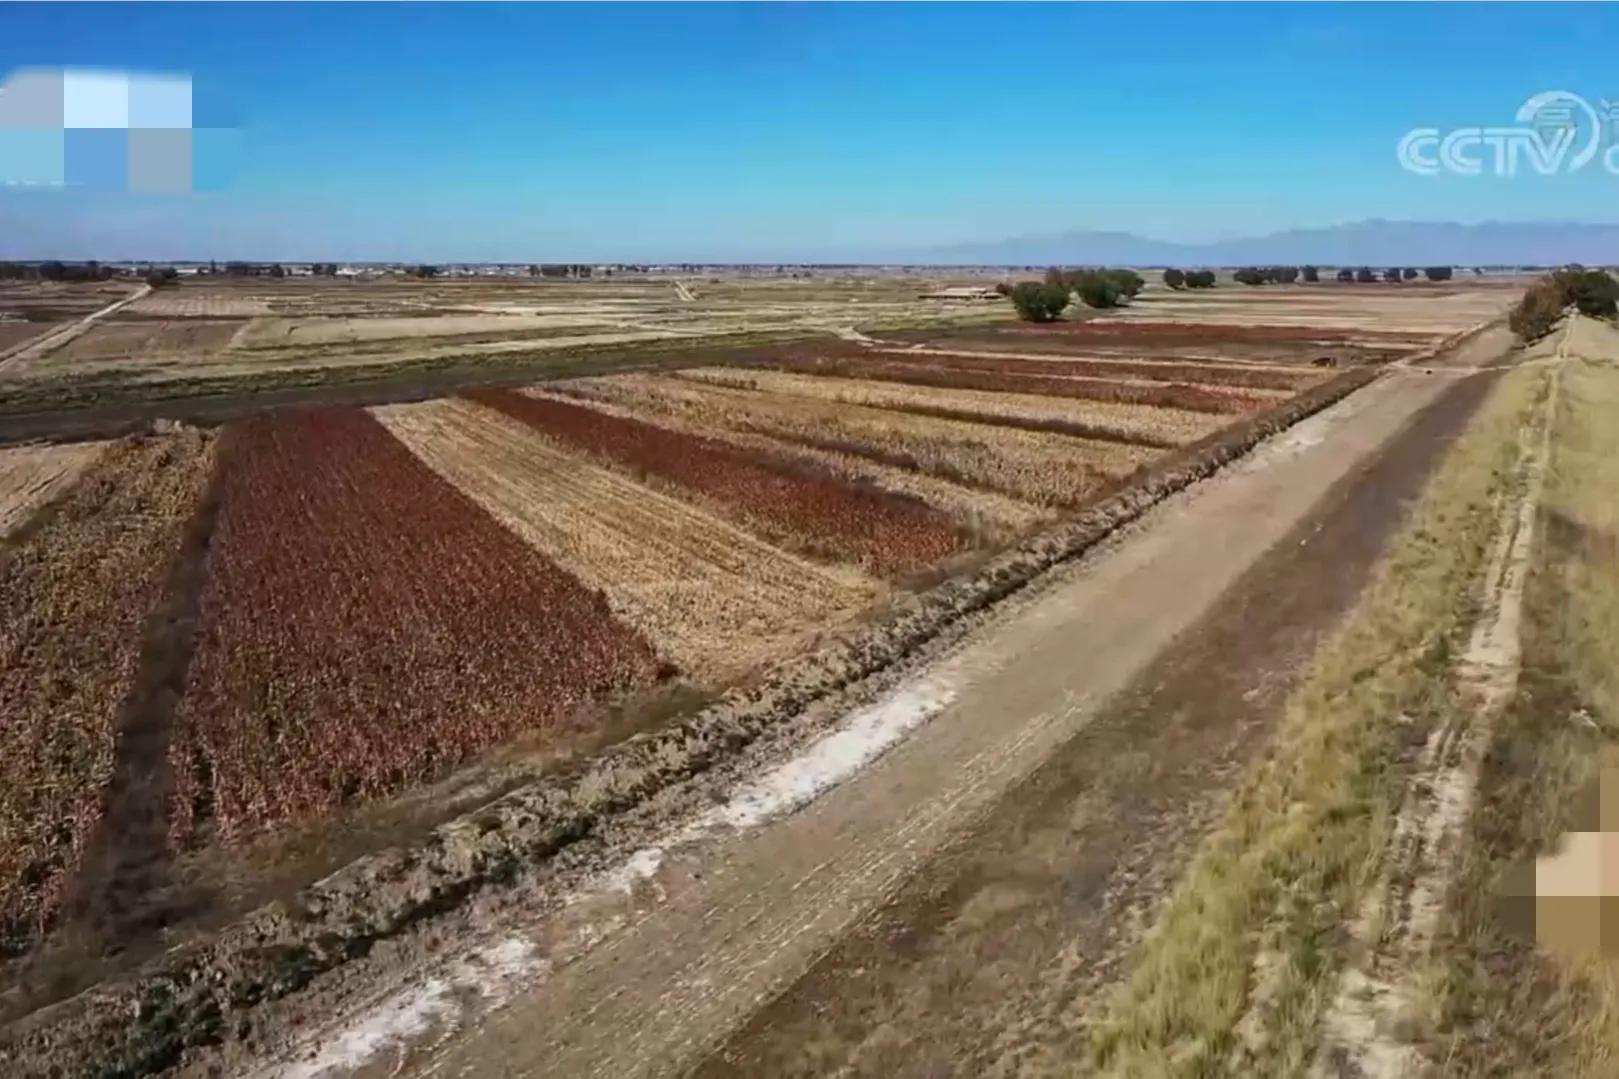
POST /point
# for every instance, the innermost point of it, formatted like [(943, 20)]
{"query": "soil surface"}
[(960, 898)]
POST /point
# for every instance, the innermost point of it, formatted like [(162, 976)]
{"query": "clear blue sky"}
[(801, 131)]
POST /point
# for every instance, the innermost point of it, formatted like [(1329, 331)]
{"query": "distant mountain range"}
[(1374, 242)]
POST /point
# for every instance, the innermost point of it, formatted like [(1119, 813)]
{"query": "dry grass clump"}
[(74, 598)]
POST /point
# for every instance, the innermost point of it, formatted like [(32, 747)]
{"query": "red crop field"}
[(808, 508), (365, 626), (74, 598), (1165, 395)]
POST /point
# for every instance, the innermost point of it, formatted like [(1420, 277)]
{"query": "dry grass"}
[(1105, 420), (1498, 1005), (1305, 834), (1035, 466), (30, 476), (73, 600), (710, 597)]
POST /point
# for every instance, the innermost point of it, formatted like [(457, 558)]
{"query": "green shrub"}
[(1038, 302)]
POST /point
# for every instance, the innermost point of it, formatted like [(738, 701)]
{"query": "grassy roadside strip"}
[(1497, 1005), (1304, 836)]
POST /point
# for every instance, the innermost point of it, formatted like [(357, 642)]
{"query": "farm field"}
[(308, 633), (377, 597), (229, 328), (1284, 324)]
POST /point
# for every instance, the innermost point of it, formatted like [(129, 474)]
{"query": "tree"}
[(1039, 302), (1438, 273), (1392, 275), (1409, 273), (1200, 279), (1174, 278), (1099, 290), (425, 270), (1542, 305), (1127, 282), (1346, 274), (1365, 275), (1249, 275), (1311, 275), (164, 277), (1595, 293)]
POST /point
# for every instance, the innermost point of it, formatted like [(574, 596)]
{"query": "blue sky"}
[(803, 131)]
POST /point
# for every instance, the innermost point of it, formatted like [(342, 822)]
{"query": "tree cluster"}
[(1591, 292), (1037, 301), (559, 269), (55, 271), (1178, 279), (1267, 275), (1097, 287)]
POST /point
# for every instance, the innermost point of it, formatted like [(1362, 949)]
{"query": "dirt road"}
[(40, 346), (1074, 742)]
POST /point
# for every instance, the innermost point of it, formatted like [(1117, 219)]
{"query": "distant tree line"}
[(1590, 292), (559, 269), (56, 271)]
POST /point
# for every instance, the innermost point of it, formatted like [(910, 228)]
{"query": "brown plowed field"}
[(74, 597), (365, 626), (712, 598), (808, 509)]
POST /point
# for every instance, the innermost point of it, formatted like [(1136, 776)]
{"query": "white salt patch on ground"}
[(492, 973), (864, 736)]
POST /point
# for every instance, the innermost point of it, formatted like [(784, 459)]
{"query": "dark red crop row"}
[(784, 499), (919, 372), (365, 626), (1215, 374)]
